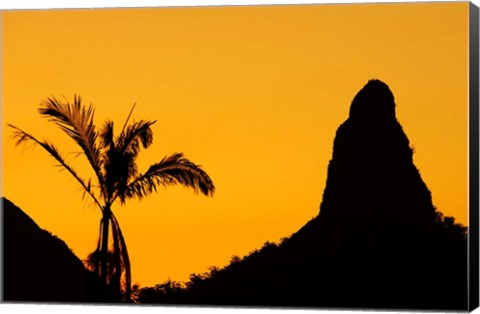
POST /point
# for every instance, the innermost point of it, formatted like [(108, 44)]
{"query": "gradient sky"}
[(253, 94)]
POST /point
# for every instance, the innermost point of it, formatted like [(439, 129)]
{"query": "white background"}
[(71, 309)]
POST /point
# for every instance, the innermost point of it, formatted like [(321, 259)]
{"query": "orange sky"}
[(254, 94)]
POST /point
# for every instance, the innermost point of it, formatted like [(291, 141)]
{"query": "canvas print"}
[(284, 156)]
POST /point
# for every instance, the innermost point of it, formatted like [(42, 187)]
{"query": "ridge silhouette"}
[(377, 242), (39, 267)]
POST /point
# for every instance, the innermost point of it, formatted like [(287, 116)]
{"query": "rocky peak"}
[(372, 181)]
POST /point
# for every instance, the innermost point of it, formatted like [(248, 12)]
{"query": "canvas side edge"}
[(473, 235)]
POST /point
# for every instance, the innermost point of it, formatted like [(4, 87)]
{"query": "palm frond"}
[(135, 134), (21, 136), (128, 117), (123, 256), (77, 122), (107, 144), (106, 135), (117, 262), (171, 170)]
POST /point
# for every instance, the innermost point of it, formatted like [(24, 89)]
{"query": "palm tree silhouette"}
[(113, 160)]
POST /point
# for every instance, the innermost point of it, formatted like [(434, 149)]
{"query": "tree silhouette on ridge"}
[(113, 160)]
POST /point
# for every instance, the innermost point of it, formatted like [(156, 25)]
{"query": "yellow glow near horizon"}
[(253, 94)]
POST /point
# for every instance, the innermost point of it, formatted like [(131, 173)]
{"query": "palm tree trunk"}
[(104, 245)]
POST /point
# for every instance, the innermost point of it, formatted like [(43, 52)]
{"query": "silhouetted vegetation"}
[(398, 271), (113, 161), (378, 241)]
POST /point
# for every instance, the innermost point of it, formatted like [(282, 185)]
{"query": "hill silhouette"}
[(377, 242), (39, 267)]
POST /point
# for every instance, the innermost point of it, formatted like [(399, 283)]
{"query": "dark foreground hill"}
[(378, 241), (38, 266)]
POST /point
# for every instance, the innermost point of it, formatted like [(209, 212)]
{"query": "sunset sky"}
[(253, 94)]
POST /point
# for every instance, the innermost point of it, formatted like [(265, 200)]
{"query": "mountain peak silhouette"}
[(372, 180), (374, 101), (377, 241)]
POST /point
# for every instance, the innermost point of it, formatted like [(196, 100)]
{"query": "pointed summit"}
[(374, 101), (372, 180)]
